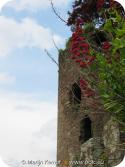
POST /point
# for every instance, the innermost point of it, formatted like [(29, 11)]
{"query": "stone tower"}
[(88, 136)]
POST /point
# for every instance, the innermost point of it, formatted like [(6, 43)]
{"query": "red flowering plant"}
[(97, 46), (80, 53)]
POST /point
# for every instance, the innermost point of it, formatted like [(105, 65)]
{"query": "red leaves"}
[(79, 22), (112, 3), (79, 48), (88, 61), (106, 45), (100, 4), (83, 64), (80, 53), (85, 45), (83, 83), (86, 51), (78, 60), (89, 58), (87, 91)]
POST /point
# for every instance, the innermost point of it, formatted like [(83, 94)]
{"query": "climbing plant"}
[(97, 45)]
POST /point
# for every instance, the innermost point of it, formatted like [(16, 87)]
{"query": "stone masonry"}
[(95, 143)]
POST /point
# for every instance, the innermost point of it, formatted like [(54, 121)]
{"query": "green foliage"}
[(107, 43), (89, 27), (112, 75)]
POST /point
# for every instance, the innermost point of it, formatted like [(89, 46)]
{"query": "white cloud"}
[(6, 78), (2, 163), (45, 139), (3, 2), (34, 5), (21, 117), (27, 33)]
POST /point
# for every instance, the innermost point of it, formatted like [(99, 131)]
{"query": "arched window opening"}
[(75, 94), (85, 130)]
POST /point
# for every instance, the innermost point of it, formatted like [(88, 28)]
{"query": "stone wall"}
[(105, 132)]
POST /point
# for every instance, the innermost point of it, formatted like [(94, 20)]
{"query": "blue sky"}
[(33, 70), (29, 79)]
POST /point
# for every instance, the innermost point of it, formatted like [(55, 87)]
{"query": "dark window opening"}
[(99, 37), (85, 130), (75, 94)]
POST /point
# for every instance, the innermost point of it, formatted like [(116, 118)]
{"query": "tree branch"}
[(55, 44), (49, 55), (54, 10)]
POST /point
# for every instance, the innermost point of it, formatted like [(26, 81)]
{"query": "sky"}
[(29, 79)]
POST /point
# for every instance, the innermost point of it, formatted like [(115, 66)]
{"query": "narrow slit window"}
[(75, 94), (85, 130)]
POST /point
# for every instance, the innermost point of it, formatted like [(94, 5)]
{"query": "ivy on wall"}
[(97, 45)]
